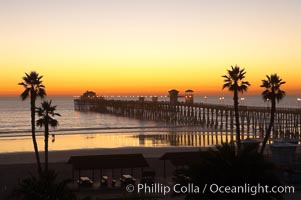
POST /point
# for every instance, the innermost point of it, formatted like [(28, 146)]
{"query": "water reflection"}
[(201, 139), (113, 140)]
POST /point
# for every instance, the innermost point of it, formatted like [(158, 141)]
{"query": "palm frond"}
[(40, 122), (33, 86), (234, 80), (25, 94), (45, 111), (54, 123), (272, 85)]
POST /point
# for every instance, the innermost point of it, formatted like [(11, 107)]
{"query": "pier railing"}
[(253, 120)]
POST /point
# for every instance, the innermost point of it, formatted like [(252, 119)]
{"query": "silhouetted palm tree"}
[(33, 88), (272, 93), (234, 82), (46, 113)]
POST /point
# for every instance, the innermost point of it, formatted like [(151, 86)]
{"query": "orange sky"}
[(148, 47)]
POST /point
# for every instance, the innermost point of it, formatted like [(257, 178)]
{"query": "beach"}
[(63, 156), (15, 166)]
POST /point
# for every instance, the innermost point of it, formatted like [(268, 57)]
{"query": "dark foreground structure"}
[(105, 162)]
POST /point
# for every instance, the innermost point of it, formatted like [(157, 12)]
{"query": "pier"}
[(253, 120)]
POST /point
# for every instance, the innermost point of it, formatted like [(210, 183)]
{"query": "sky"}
[(133, 47)]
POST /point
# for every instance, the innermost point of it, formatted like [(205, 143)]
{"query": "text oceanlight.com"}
[(158, 188), (251, 189)]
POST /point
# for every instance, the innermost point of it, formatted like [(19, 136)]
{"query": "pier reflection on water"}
[(195, 139)]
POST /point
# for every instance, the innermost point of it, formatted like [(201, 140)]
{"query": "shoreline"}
[(60, 156)]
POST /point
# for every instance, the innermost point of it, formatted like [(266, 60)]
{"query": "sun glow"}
[(148, 47)]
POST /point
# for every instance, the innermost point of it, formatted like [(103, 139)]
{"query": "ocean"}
[(78, 130)]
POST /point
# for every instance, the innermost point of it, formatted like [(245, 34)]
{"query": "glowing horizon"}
[(124, 47)]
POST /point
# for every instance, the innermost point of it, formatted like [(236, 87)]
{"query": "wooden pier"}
[(254, 120)]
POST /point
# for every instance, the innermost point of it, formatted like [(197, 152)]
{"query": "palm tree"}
[(33, 88), (234, 82), (46, 113), (272, 93)]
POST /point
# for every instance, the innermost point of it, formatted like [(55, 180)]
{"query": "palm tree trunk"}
[(268, 132), (33, 134), (46, 145), (236, 113)]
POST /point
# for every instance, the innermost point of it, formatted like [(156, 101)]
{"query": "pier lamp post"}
[(298, 100), (242, 100), (268, 102), (205, 99), (221, 100)]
